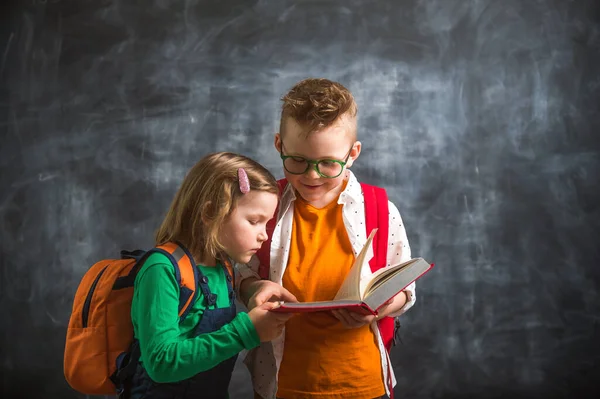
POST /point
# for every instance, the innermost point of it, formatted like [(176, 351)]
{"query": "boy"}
[(320, 228)]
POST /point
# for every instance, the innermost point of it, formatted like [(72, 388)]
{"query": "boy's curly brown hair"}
[(317, 103)]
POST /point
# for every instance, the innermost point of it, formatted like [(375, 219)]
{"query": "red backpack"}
[(376, 216)]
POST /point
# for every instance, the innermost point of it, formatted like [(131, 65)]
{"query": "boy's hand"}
[(268, 325), (265, 290), (352, 319)]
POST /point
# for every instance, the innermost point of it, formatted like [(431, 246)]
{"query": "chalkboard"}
[(480, 117)]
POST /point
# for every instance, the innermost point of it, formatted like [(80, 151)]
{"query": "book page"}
[(350, 288), (382, 275), (390, 284)]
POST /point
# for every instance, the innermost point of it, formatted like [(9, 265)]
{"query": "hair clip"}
[(243, 180)]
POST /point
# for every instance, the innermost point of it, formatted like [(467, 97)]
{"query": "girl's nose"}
[(263, 236)]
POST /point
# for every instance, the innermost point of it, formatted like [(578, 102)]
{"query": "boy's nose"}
[(312, 172)]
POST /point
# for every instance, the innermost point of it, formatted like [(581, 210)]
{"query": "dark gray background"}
[(480, 117)]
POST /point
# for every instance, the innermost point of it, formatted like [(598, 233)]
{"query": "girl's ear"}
[(207, 213)]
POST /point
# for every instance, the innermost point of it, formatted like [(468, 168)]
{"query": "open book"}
[(365, 295)]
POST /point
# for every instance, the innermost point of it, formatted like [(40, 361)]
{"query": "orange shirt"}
[(323, 359)]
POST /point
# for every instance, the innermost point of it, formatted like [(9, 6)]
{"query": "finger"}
[(253, 302), (342, 316), (276, 317), (271, 305), (353, 323), (284, 316), (281, 326), (263, 295), (360, 318), (354, 319), (336, 314), (270, 290), (287, 296), (276, 327), (280, 317)]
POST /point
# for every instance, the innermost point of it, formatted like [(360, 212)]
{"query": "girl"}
[(219, 214)]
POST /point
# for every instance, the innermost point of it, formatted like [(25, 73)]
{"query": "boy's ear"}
[(277, 142), (354, 153)]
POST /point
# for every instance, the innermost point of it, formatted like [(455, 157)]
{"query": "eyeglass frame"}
[(315, 164)]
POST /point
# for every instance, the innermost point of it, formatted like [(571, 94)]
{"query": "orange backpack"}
[(100, 351)]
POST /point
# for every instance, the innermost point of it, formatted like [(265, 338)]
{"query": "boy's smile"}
[(332, 143)]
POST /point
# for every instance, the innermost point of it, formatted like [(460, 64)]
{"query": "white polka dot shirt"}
[(263, 362)]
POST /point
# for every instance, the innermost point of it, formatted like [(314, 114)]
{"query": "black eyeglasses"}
[(328, 168)]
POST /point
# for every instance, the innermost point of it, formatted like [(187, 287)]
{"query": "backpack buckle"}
[(126, 365)]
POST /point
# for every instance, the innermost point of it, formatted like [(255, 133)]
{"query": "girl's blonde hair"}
[(208, 194)]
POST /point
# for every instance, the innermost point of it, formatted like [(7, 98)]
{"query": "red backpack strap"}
[(376, 216), (264, 253)]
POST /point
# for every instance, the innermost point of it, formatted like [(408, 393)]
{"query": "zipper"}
[(88, 298), (397, 336)]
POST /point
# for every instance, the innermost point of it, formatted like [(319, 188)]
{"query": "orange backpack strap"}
[(183, 265), (264, 253), (186, 274)]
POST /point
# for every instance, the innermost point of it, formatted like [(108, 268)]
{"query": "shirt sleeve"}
[(243, 271), (398, 252), (169, 356)]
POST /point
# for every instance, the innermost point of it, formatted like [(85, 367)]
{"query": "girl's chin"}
[(243, 259)]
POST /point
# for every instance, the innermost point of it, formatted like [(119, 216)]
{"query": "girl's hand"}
[(268, 291), (269, 325)]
